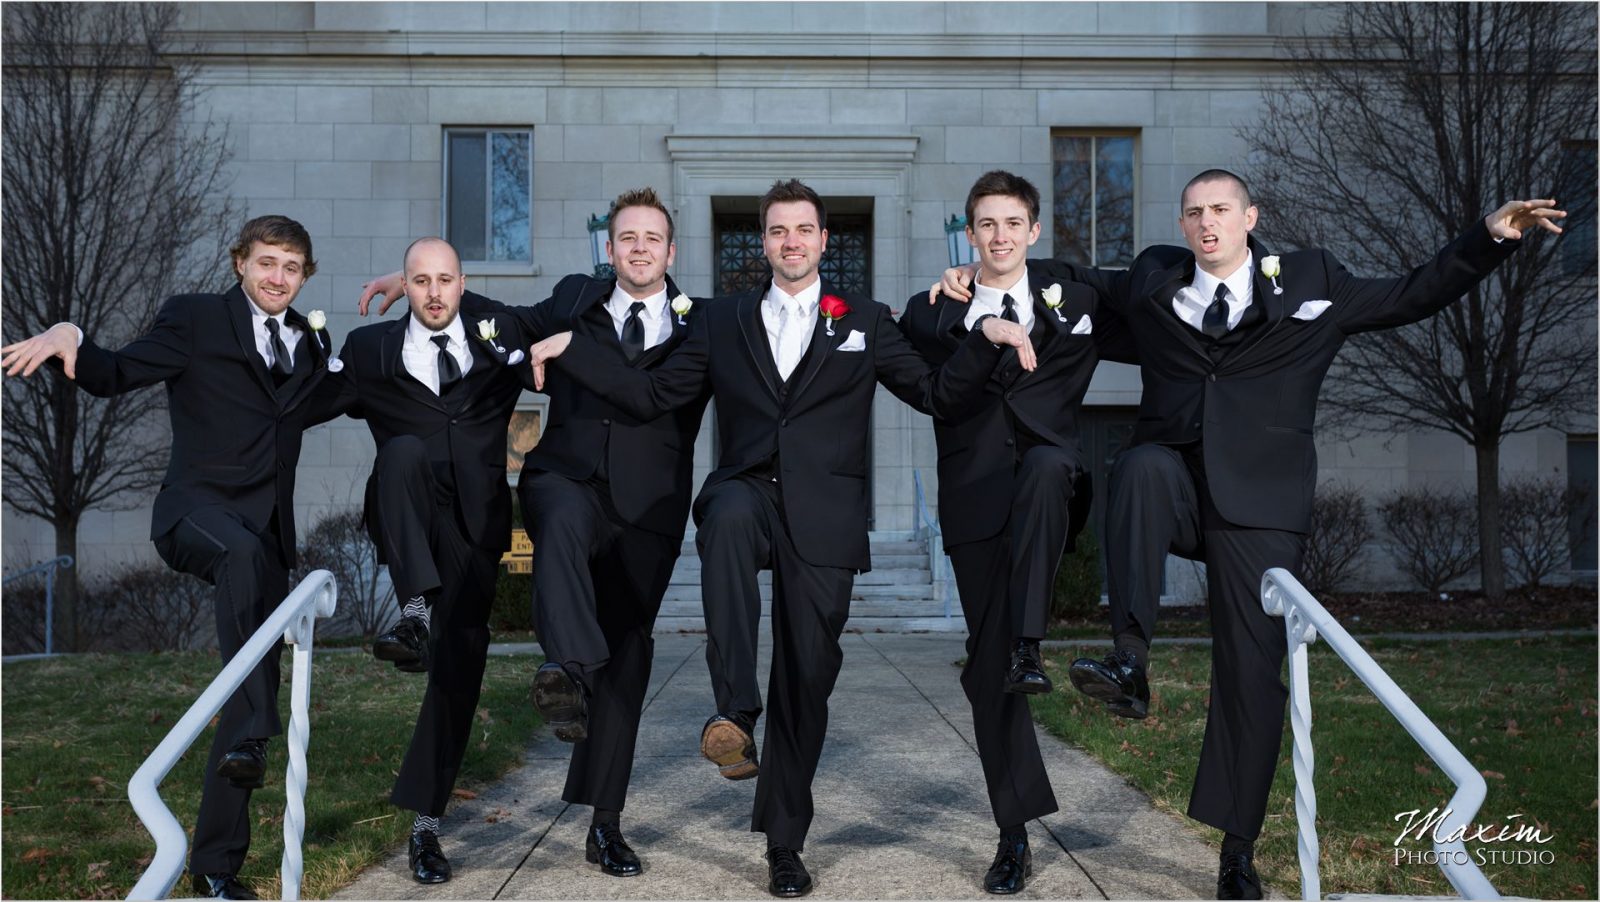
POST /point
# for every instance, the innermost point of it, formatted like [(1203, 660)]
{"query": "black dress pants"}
[(428, 551), (742, 531), (246, 567), (1159, 501), (597, 587)]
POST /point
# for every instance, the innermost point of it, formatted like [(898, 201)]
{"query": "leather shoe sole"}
[(728, 747), (1002, 889), (592, 855), (242, 771), (1031, 685), (559, 700), (1101, 688)]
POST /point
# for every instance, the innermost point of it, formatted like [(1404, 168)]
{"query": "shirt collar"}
[(992, 298), (418, 334), (808, 298), (620, 301), (1238, 281)]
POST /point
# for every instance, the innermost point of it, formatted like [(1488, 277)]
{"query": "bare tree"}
[(1395, 131), (112, 201), (1340, 530)]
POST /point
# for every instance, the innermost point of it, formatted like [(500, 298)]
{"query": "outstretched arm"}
[(676, 381), (156, 356), (59, 341), (951, 390)]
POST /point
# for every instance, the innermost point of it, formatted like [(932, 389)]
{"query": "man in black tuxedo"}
[(1234, 344), (437, 389), (793, 368), (605, 499), (237, 368), (1013, 493)]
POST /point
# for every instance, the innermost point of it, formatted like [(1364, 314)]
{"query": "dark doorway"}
[(1105, 432)]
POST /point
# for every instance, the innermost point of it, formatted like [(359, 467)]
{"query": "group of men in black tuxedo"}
[(1228, 337), (1233, 343)]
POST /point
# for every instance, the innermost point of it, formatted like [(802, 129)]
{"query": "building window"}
[(488, 194), (1578, 199), (741, 260), (1094, 199)]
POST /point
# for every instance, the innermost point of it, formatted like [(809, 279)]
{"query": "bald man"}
[(437, 389)]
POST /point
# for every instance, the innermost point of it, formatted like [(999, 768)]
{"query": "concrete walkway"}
[(901, 807)]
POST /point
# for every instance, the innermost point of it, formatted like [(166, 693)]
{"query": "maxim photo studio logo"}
[(1515, 841)]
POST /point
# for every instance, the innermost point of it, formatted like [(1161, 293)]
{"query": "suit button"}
[(1011, 396), (606, 422), (784, 422), (454, 421), (1010, 443), (1212, 377)]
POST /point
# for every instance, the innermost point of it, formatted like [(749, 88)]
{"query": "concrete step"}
[(915, 592), (930, 623), (690, 564), (874, 578), (859, 608)]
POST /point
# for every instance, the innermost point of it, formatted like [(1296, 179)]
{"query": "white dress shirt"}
[(258, 327), (1191, 301), (790, 320), (421, 356), (657, 327), (986, 300)]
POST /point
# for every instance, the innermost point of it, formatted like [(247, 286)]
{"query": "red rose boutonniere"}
[(832, 307)]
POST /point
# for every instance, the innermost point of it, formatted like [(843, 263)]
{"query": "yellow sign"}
[(520, 558)]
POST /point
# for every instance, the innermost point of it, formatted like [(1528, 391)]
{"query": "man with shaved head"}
[(437, 389)]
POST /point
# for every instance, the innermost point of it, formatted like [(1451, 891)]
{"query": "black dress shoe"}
[(1119, 681), (727, 742), (1013, 865), (786, 874), (606, 847), (428, 864), (406, 645), (559, 698), (245, 764), (1027, 673), (1237, 879), (221, 886)]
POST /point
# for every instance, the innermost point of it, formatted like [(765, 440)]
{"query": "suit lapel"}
[(755, 338), (952, 322), (1047, 329), (680, 330), (239, 316), (310, 357), (822, 344), (1274, 305), (1160, 288), (393, 365)]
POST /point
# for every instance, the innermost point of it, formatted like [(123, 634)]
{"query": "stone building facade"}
[(374, 123)]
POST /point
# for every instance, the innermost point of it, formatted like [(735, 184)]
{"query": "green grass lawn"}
[(1522, 711), (75, 729)]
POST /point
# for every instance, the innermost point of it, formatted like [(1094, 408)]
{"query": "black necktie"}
[(1215, 323), (633, 332), (449, 370), (1008, 309), (282, 364)]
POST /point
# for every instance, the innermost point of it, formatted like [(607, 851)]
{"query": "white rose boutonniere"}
[(489, 330), (1271, 268), (1052, 299), (681, 305), (318, 321)]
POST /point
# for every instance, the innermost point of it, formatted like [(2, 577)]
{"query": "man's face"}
[(434, 283), (1216, 223), (639, 250), (1001, 233), (271, 276), (793, 241)]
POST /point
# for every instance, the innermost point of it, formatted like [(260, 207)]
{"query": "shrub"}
[(339, 544), (513, 602), (158, 608), (1535, 517), (1434, 534), (1340, 528), (1077, 588)]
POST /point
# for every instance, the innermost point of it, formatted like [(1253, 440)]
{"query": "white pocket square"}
[(1311, 310), (857, 341), (516, 357), (1084, 326)]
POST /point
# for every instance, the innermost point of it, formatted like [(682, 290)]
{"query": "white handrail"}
[(929, 531), (1283, 596), (316, 596)]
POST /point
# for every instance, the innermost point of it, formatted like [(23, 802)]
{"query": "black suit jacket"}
[(1256, 407), (816, 428), (977, 452), (464, 430), (235, 437), (650, 462)]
